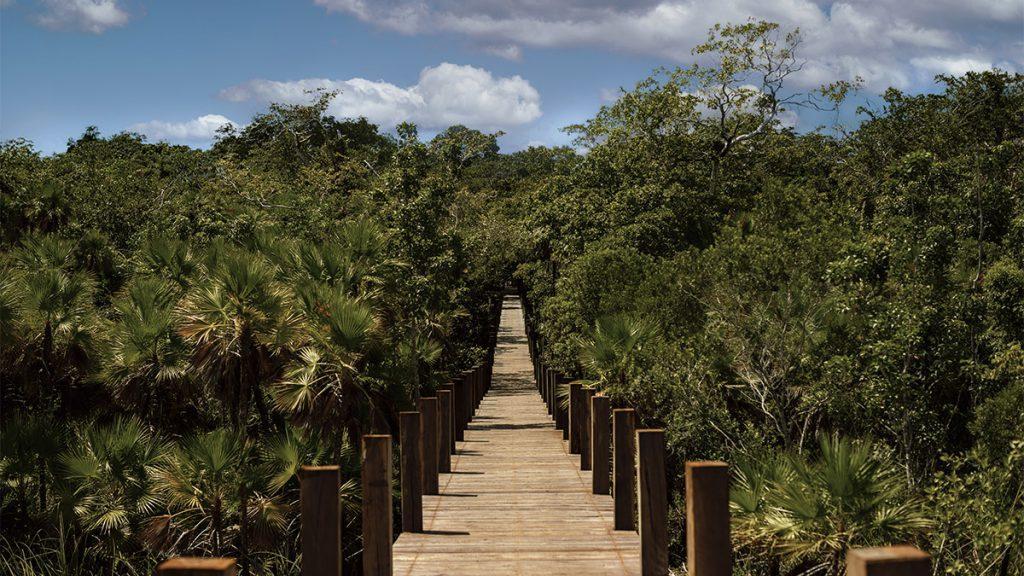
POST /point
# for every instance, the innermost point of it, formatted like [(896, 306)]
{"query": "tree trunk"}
[(41, 467), (243, 536)]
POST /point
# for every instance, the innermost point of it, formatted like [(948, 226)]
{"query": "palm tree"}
[(611, 348), (169, 258), (147, 360), (813, 512), (202, 481), (321, 387), (238, 322), (56, 312), (111, 481), (27, 445)]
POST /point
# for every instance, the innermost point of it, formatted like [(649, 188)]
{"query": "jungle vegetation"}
[(837, 312)]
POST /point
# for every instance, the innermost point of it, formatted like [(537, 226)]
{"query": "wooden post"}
[(600, 430), (625, 468), (320, 516), (562, 414), (546, 390), (377, 522), (196, 567), (653, 502), (888, 561), (429, 443), (575, 416), (446, 436), (479, 384), (585, 455), (708, 547), (470, 398), (411, 472), (459, 413)]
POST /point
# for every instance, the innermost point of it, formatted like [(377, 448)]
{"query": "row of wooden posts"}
[(629, 464), (427, 440)]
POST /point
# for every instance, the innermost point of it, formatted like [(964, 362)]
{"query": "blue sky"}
[(177, 69)]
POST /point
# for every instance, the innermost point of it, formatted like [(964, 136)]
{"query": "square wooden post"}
[(624, 464), (460, 410), (585, 455), (653, 502), (600, 430), (561, 413), (377, 527), (549, 377), (470, 398), (429, 421), (888, 561), (320, 520), (446, 435), (575, 416), (196, 567), (708, 546), (411, 472)]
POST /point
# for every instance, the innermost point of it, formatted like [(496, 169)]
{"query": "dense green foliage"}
[(839, 314)]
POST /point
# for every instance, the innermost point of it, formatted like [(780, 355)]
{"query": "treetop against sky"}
[(177, 71)]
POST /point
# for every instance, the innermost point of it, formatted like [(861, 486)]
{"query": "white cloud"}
[(445, 94), (201, 129), (954, 65), (94, 16), (876, 39), (507, 51)]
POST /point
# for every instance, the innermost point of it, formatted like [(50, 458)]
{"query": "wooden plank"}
[(708, 547), (320, 515), (446, 434), (652, 502), (430, 430), (411, 471), (377, 521), (888, 561), (624, 464), (516, 501), (196, 567), (600, 446)]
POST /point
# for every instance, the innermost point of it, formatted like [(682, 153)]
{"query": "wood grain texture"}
[(516, 501), (320, 513), (652, 502), (888, 561), (708, 546), (411, 471), (430, 425), (624, 468), (575, 416), (586, 459), (196, 567), (600, 446), (377, 520), (446, 433), (461, 408)]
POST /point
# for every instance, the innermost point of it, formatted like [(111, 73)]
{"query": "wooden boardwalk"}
[(516, 501)]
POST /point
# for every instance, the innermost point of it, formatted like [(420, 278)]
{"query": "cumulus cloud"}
[(445, 94), (94, 16), (201, 129), (876, 39)]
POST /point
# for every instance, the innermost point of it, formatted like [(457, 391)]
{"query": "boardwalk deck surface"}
[(516, 501)]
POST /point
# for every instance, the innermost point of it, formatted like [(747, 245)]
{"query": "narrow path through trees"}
[(516, 501)]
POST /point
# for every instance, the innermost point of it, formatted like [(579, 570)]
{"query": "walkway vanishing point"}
[(516, 501)]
